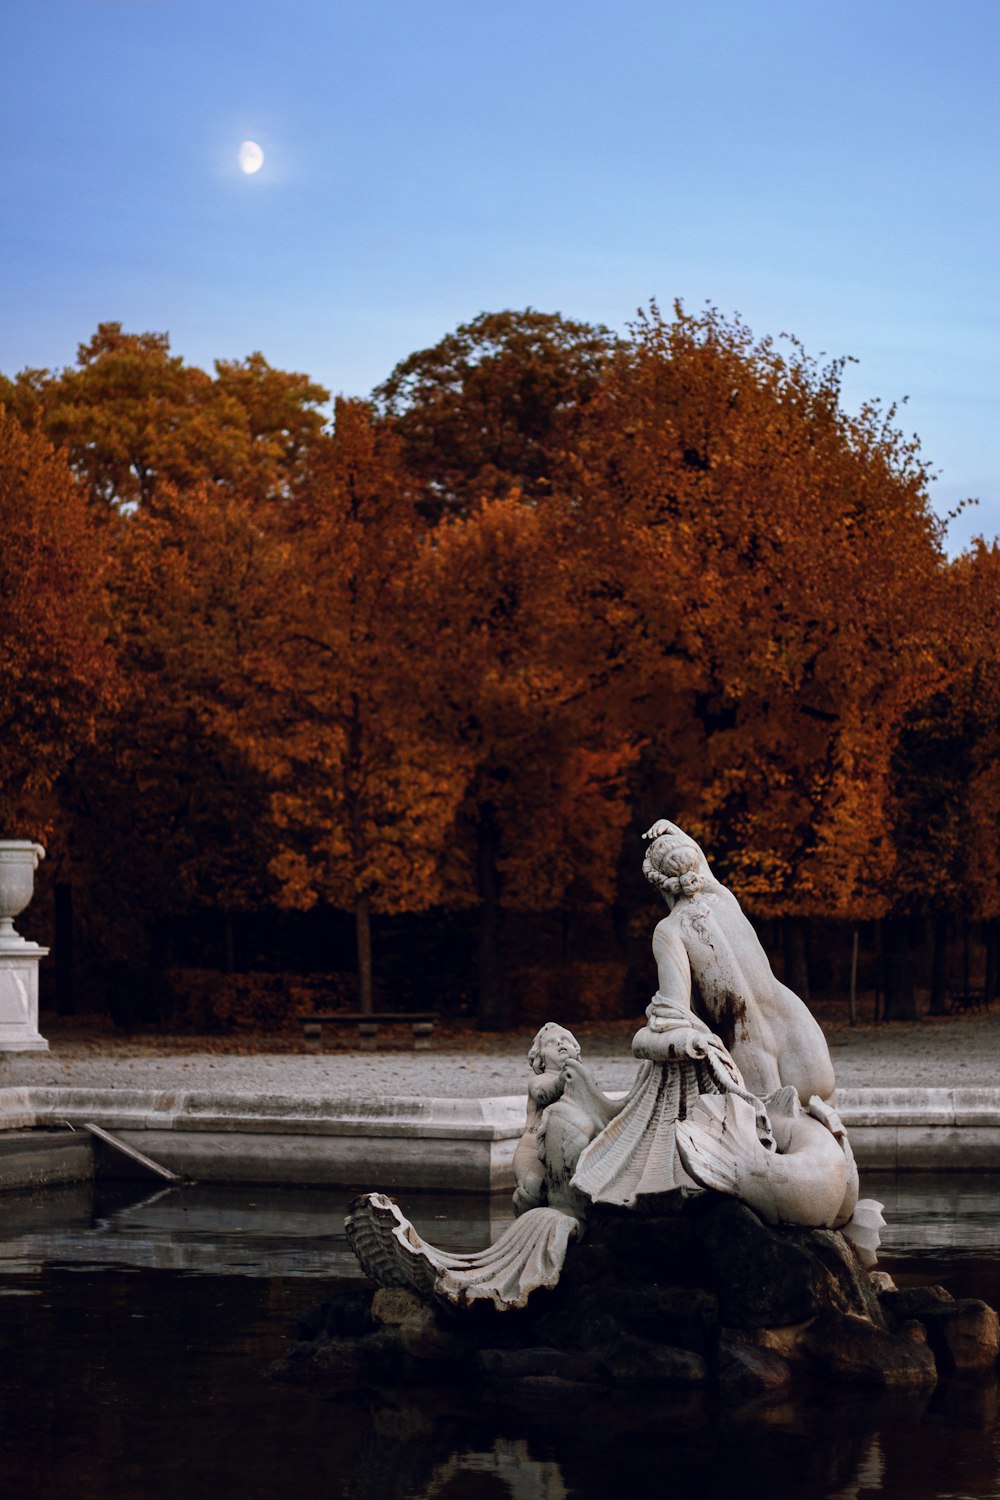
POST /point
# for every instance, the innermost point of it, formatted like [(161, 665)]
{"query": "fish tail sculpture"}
[(807, 1181)]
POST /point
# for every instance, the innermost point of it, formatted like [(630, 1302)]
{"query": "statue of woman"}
[(709, 958), (736, 1088)]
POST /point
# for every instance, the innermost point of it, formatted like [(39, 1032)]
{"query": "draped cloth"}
[(636, 1154)]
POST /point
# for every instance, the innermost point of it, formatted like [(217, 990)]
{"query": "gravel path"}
[(959, 1051)]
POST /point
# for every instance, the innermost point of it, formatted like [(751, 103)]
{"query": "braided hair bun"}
[(672, 865)]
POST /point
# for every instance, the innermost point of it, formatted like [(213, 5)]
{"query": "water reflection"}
[(134, 1330), (212, 1229), (839, 1448)]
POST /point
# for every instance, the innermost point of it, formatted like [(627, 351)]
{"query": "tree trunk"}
[(493, 1012), (363, 938), (852, 1002), (900, 998), (990, 984), (966, 962), (229, 943), (796, 957), (65, 989), (939, 966)]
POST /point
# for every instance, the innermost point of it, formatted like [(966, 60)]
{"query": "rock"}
[(911, 1302), (335, 1362), (964, 1334), (881, 1281), (785, 1340), (767, 1276), (653, 1245), (347, 1313), (849, 1348), (763, 1277), (338, 1360), (586, 1331), (517, 1364), (421, 1334), (748, 1370), (425, 1339), (393, 1305), (840, 1278), (640, 1362), (687, 1317)]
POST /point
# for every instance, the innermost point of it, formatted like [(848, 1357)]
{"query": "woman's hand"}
[(659, 828)]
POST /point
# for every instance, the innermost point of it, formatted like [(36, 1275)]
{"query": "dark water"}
[(133, 1334)]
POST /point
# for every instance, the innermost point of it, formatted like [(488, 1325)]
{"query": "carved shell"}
[(381, 1239)]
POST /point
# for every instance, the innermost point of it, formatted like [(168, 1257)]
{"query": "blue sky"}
[(826, 169)]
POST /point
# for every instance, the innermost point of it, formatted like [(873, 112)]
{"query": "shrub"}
[(567, 992), (209, 1001)]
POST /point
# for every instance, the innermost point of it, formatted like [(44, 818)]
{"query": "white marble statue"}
[(734, 1093), (773, 1037), (566, 1109), (528, 1255)]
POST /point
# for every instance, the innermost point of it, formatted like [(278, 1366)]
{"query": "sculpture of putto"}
[(734, 1093)]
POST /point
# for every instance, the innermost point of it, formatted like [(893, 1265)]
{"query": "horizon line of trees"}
[(457, 647)]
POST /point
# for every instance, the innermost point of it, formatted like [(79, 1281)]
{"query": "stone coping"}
[(501, 1117), (485, 1119), (974, 1105), (438, 1144)]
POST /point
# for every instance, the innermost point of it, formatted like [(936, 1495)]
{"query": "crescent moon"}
[(250, 157)]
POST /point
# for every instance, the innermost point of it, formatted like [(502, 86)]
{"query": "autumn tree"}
[(768, 563), (57, 670), (181, 468), (132, 417), (364, 796), (946, 788), (485, 411), (519, 698)]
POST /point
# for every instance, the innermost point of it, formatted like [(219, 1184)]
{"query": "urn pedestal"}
[(19, 959)]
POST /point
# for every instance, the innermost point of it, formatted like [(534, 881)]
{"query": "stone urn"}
[(19, 958), (18, 863)]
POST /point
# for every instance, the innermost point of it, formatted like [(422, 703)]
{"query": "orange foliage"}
[(947, 767), (446, 652), (519, 700), (770, 567), (57, 671), (365, 799)]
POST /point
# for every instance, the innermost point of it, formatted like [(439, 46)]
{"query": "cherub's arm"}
[(542, 1091), (581, 1088)]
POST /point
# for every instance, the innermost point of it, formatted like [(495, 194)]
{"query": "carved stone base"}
[(19, 998)]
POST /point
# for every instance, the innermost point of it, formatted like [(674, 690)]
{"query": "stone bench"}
[(368, 1023)]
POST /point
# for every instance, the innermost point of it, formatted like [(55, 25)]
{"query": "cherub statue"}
[(566, 1109)]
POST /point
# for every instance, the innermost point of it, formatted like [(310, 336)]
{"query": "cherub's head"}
[(552, 1046)]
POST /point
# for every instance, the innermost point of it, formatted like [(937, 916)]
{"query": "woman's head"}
[(552, 1046), (674, 865)]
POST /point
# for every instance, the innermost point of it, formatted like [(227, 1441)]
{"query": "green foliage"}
[(487, 410)]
